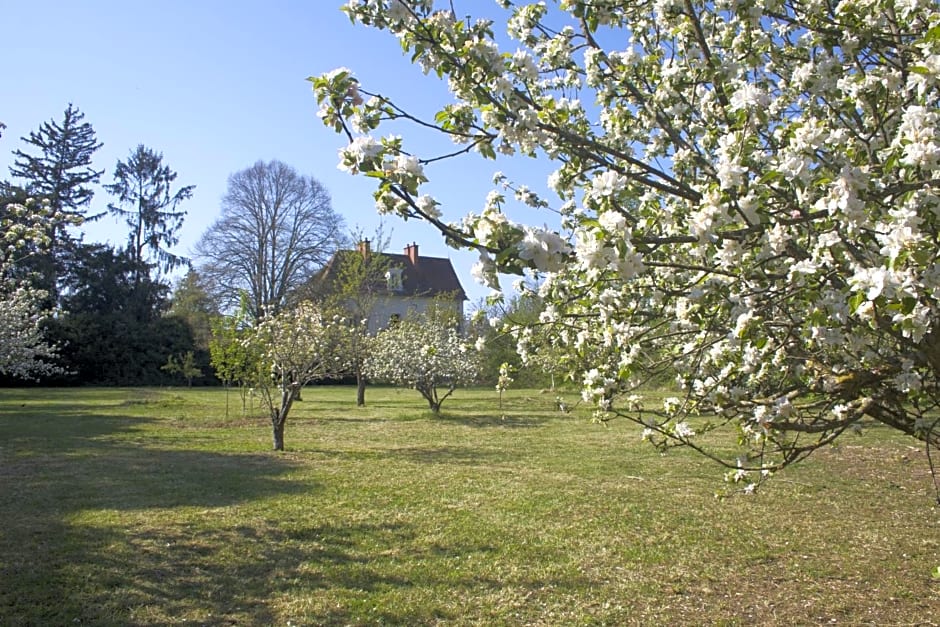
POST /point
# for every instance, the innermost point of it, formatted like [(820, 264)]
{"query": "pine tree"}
[(142, 187), (60, 173)]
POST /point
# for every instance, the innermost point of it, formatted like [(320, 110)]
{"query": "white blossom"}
[(607, 183), (361, 152), (24, 351), (750, 201), (424, 352)]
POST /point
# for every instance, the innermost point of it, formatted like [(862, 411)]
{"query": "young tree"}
[(503, 381), (183, 365), (295, 346), (424, 352), (497, 325), (277, 228), (142, 185), (230, 353), (748, 199), (354, 287), (60, 173)]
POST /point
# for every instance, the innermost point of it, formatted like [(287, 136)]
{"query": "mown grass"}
[(151, 507)]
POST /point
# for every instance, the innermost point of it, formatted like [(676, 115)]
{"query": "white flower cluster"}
[(756, 213), (424, 352), (294, 347), (24, 351)]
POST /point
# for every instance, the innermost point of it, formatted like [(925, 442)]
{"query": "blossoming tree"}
[(425, 352), (746, 196), (24, 352), (294, 347)]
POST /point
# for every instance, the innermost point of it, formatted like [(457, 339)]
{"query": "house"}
[(407, 283)]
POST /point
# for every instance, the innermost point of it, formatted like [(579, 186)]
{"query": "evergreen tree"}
[(114, 329), (192, 303), (60, 173), (142, 187)]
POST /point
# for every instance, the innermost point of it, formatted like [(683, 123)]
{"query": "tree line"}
[(107, 302), (111, 313), (96, 313)]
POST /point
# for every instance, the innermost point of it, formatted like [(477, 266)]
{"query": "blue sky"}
[(215, 86)]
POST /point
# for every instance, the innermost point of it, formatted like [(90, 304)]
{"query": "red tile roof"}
[(429, 277)]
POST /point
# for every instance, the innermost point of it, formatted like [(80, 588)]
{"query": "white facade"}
[(390, 307)]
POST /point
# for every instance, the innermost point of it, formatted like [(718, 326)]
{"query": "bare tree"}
[(277, 228)]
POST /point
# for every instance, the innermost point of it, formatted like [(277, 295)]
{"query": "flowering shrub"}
[(24, 352), (747, 193), (424, 352)]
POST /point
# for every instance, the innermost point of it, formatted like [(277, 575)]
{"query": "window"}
[(393, 277)]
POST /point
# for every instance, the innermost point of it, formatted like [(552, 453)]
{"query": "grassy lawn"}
[(150, 507)]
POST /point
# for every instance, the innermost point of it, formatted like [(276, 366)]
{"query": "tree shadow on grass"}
[(463, 455), (493, 420), (423, 454), (67, 485), (102, 527)]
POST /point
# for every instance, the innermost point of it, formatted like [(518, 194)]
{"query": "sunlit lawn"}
[(150, 506)]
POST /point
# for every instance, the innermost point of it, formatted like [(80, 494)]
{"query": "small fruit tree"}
[(425, 352), (294, 347)]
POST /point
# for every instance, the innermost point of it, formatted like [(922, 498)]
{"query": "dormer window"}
[(393, 277)]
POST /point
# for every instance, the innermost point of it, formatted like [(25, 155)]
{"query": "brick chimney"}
[(365, 249), (411, 251)]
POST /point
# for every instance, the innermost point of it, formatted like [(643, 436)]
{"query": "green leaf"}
[(933, 34), (855, 301), (771, 176), (907, 304)]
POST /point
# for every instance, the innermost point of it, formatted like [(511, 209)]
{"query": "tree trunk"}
[(360, 390), (288, 394), (279, 436), (430, 395)]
